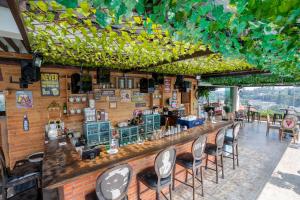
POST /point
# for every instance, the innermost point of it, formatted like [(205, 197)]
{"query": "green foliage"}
[(253, 80), (203, 65), (265, 33)]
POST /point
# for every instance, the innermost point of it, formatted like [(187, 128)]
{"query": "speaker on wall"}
[(29, 73), (75, 83), (146, 85), (158, 78), (179, 82), (103, 75)]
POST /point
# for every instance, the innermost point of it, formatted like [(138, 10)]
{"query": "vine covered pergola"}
[(172, 37)]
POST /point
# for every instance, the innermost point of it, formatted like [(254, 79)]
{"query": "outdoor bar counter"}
[(75, 178)]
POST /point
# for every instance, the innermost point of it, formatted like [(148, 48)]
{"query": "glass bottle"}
[(25, 123)]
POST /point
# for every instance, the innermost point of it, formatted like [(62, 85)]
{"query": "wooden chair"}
[(289, 125), (192, 161), (19, 176), (270, 125), (113, 183), (159, 176)]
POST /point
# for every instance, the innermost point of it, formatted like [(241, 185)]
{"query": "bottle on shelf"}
[(65, 110), (25, 123)]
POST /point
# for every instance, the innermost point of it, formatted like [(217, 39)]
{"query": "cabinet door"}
[(149, 128), (104, 137), (134, 130), (92, 129), (104, 127), (156, 118), (93, 139), (125, 132), (156, 126)]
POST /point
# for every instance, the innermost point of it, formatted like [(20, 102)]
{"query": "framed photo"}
[(125, 95), (24, 99), (112, 105)]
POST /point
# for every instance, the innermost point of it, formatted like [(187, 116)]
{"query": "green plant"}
[(203, 91), (226, 108), (253, 80), (124, 34)]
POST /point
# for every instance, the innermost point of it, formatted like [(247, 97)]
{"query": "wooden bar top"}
[(62, 164)]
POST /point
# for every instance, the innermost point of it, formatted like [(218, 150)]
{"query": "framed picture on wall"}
[(50, 84), (112, 105)]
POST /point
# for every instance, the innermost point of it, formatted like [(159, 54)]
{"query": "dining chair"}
[(17, 178), (270, 125), (290, 126)]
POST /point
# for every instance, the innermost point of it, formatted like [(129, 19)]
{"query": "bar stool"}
[(159, 176), (113, 183), (192, 161), (216, 150), (232, 140)]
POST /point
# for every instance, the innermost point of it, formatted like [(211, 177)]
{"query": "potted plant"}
[(226, 109)]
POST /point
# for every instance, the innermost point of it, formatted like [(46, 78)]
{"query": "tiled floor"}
[(259, 155), (285, 181)]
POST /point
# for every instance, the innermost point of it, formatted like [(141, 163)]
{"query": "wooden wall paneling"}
[(20, 143)]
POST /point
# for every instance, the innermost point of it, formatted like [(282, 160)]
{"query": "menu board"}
[(50, 84), (167, 83)]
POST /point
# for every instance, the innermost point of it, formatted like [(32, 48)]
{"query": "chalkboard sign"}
[(108, 93), (50, 84)]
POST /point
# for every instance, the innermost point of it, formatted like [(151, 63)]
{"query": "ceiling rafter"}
[(3, 46), (12, 44), (15, 10), (13, 55)]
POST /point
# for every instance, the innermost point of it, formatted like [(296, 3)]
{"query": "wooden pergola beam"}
[(17, 56), (235, 73), (181, 58), (12, 44), (3, 46), (15, 10)]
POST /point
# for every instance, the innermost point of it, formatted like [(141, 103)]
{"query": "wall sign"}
[(97, 94), (139, 105), (137, 97), (125, 95), (24, 99), (167, 84), (50, 84), (108, 93)]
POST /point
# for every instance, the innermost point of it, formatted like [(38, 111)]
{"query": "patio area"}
[(259, 157)]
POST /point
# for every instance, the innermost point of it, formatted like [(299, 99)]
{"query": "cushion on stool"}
[(228, 140), (149, 177), (186, 160), (211, 149)]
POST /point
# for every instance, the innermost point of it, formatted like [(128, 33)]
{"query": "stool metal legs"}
[(234, 153), (217, 166), (194, 173)]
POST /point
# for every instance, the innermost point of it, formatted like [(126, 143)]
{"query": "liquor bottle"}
[(25, 123), (65, 108)]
